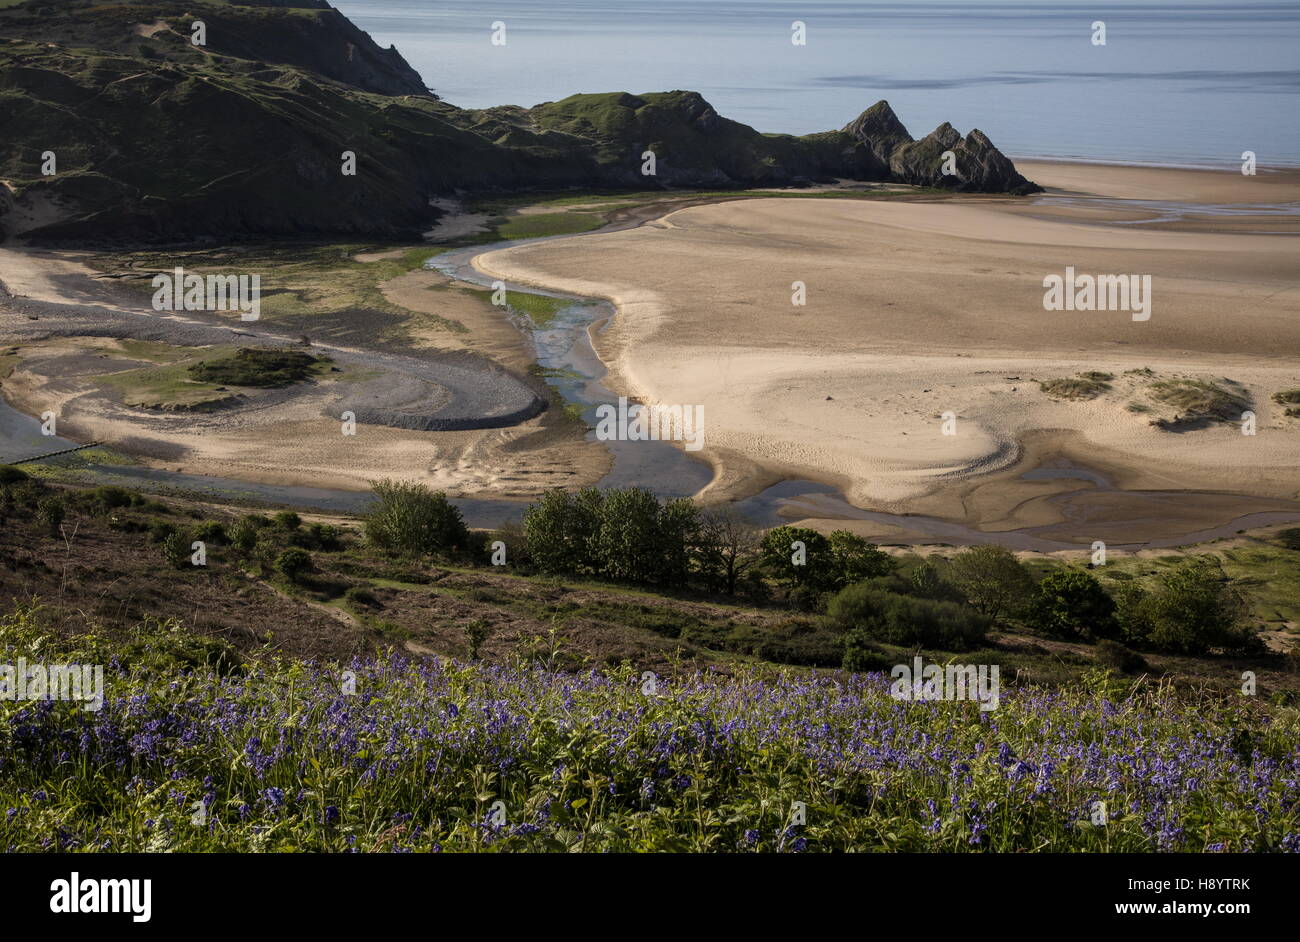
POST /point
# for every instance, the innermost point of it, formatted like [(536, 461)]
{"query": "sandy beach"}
[(915, 310)]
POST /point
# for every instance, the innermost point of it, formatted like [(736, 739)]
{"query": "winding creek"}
[(564, 350)]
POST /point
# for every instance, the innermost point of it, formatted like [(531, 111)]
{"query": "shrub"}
[(560, 531), (884, 616), (993, 580), (287, 520), (631, 544), (512, 535), (159, 530), (1086, 386), (1193, 610), (1290, 538), (1070, 604), (813, 564), (855, 559), (860, 655), (410, 518), (361, 595), (293, 563), (110, 497), (626, 535), (476, 632), (1113, 654), (51, 512), (256, 368), (176, 549), (210, 531), (11, 474), (243, 535), (1199, 401)]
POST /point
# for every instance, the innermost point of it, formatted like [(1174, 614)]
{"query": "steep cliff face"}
[(156, 139)]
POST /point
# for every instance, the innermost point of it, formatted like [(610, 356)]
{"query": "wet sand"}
[(915, 310)]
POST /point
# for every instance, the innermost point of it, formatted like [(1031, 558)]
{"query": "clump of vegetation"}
[(1290, 538), (1198, 401), (249, 366), (476, 632), (11, 474), (870, 613), (597, 765), (410, 518), (176, 549), (1088, 385), (360, 595), (1115, 655), (1289, 398), (1193, 609), (993, 580), (1071, 604), (51, 512), (294, 563)]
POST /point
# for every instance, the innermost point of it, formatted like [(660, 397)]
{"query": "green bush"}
[(293, 563), (860, 655), (410, 518), (814, 565), (160, 530), (361, 595), (287, 520), (560, 531), (1113, 654), (211, 532), (256, 368), (884, 616), (110, 497), (1193, 610), (11, 474), (176, 549), (51, 512), (993, 580), (1070, 604), (243, 534), (626, 535), (1290, 538), (476, 632)]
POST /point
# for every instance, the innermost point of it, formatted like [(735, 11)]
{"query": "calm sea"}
[(1176, 82)]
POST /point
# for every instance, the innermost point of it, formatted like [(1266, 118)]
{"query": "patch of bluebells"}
[(409, 746)]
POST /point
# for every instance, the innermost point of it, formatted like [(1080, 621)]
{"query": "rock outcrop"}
[(975, 165)]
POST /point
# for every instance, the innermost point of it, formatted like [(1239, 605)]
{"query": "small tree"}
[(626, 541), (476, 632), (1196, 609), (883, 616), (728, 547), (410, 518), (1070, 603), (814, 565), (560, 531), (993, 580), (856, 559)]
